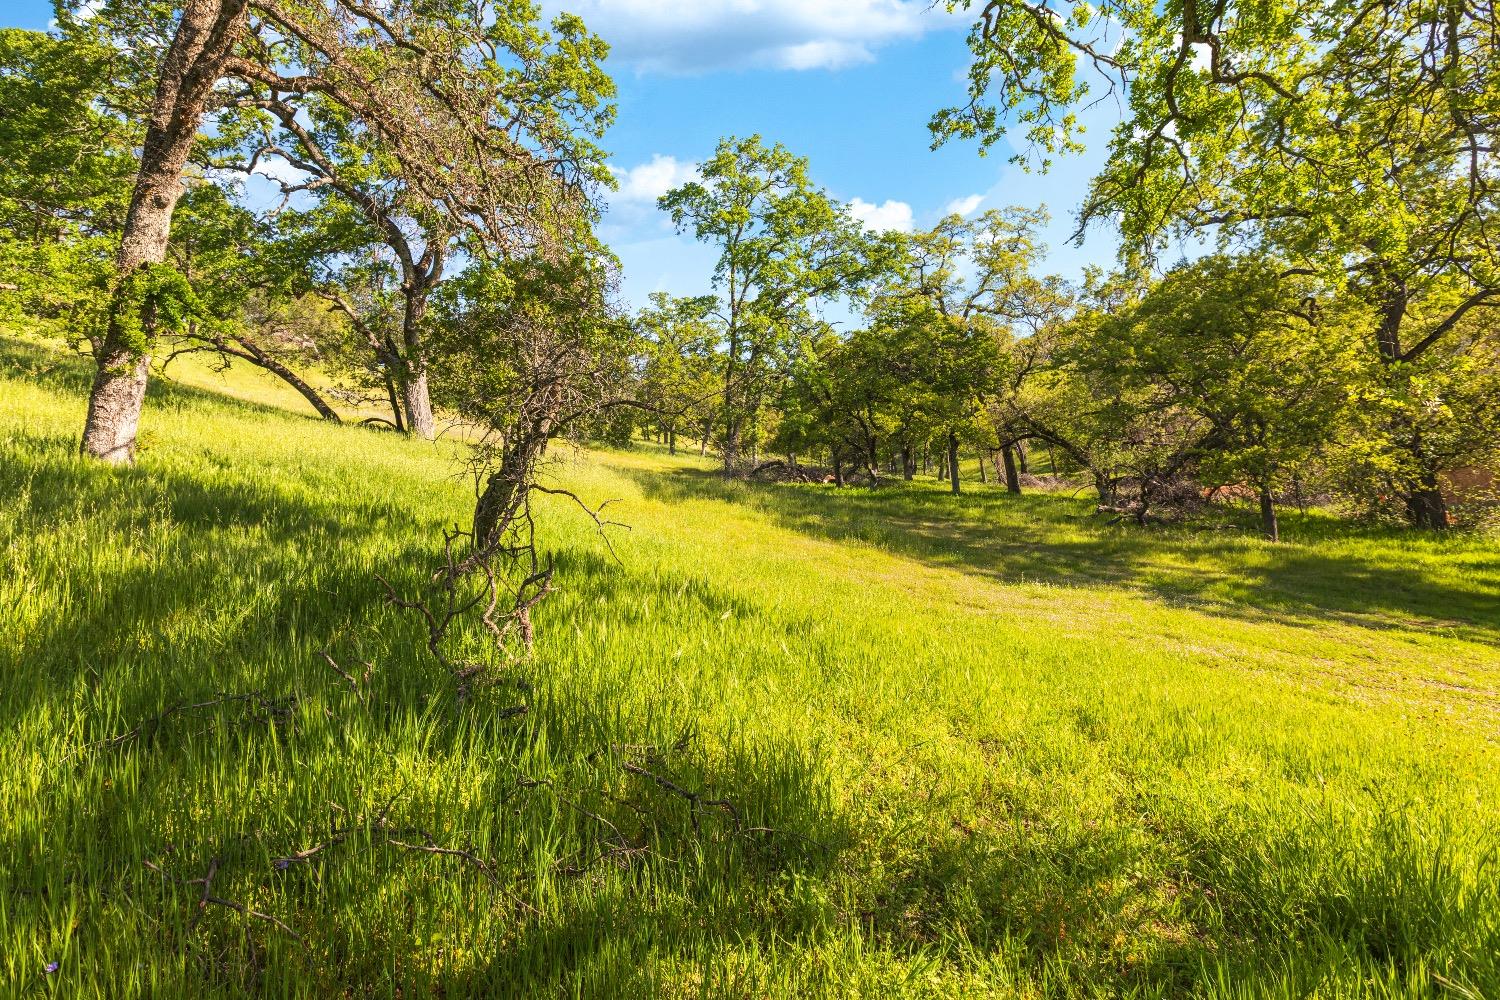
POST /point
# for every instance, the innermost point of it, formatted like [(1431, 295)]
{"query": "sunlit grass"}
[(976, 746)]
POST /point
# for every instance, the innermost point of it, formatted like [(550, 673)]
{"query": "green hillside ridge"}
[(940, 746)]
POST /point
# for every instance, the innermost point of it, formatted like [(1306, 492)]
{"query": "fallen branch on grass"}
[(206, 896)]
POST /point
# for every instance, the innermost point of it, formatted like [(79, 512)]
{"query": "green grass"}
[(978, 746)]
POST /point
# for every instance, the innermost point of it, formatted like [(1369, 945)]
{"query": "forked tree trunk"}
[(953, 460), (1269, 528), (1012, 475), (192, 65)]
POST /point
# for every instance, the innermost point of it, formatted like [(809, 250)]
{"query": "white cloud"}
[(647, 182), (694, 36), (887, 215), (964, 206)]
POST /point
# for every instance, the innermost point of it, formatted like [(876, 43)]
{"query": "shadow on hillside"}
[(1053, 540)]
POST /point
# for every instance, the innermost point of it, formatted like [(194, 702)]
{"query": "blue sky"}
[(849, 84)]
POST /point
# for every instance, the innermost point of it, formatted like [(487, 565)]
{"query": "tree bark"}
[(1012, 475), (1269, 528), (1021, 462), (953, 461), (838, 468), (418, 404), (508, 486), (908, 463), (414, 394), (731, 445), (192, 65)]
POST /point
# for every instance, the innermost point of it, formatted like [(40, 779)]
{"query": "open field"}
[(974, 746)]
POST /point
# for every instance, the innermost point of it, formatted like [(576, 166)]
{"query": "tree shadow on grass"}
[(1057, 541)]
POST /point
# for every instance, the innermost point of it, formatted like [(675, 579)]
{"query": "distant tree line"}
[(1240, 373)]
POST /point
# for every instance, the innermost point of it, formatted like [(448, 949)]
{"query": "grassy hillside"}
[(982, 746)]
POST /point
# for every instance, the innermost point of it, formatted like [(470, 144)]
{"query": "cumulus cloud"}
[(889, 214), (964, 206), (694, 36), (647, 182)]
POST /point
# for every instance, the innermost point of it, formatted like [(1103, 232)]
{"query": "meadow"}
[(777, 740)]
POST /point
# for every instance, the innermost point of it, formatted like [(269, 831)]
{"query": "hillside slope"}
[(790, 742)]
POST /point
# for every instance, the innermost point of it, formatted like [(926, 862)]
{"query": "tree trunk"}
[(908, 463), (1426, 505), (953, 460), (418, 405), (192, 65), (672, 442), (731, 445), (1012, 475), (1268, 526), (497, 505), (1021, 462), (838, 468), (414, 394), (508, 486)]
